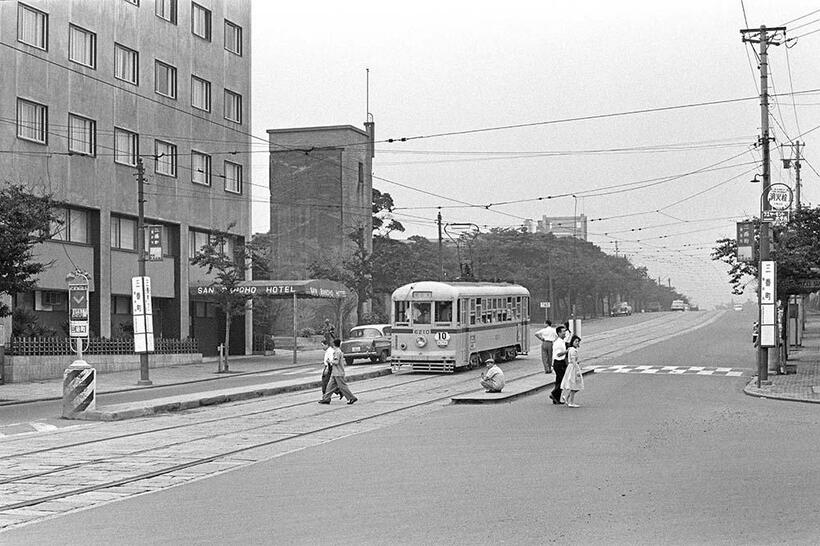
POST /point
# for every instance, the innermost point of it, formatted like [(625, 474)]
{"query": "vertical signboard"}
[(745, 241), (78, 308), (154, 243), (768, 303), (143, 314)]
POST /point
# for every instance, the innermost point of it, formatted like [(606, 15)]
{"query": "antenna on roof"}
[(369, 116)]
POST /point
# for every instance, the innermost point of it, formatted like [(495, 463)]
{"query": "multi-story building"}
[(321, 191), (92, 89), (564, 226)]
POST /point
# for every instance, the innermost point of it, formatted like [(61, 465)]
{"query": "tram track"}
[(294, 419)]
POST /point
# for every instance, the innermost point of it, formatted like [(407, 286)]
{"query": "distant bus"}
[(677, 305)]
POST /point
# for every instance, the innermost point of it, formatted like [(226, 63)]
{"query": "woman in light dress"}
[(573, 379)]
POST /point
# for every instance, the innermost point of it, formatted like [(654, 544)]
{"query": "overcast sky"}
[(521, 73)]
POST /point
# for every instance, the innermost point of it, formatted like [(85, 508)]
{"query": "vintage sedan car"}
[(367, 341)]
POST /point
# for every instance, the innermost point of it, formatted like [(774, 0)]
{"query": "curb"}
[(210, 399), (496, 398), (751, 389)]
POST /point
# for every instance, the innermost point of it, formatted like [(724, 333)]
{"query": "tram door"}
[(464, 320)]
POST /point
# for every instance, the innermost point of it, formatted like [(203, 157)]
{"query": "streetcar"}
[(442, 326)]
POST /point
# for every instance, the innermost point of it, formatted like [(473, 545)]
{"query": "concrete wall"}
[(22, 369)]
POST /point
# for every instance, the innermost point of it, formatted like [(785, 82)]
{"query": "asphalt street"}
[(649, 458)]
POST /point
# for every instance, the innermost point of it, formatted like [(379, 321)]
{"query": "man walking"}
[(328, 361), (559, 363), (337, 377), (547, 337)]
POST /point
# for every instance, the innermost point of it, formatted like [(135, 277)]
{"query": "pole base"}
[(144, 382)]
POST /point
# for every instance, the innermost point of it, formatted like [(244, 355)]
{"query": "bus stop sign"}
[(78, 309)]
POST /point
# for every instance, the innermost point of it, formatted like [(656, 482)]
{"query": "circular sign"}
[(779, 196)]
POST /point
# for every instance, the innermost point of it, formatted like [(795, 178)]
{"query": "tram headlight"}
[(421, 341)]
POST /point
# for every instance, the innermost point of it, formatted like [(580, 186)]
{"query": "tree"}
[(228, 259), (383, 221), (25, 221)]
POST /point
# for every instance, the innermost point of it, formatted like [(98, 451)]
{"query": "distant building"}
[(89, 89), (564, 226), (321, 192)]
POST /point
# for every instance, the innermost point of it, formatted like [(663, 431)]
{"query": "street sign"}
[(154, 243), (777, 217), (745, 241), (768, 299), (78, 309), (779, 196), (142, 314), (545, 305)]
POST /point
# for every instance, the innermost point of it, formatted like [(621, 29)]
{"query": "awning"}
[(309, 288)]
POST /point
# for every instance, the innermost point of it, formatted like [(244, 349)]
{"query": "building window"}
[(82, 46), (165, 79), (233, 106), (126, 64), (123, 233), (200, 94), (361, 173), (166, 9), (166, 154), (233, 177), (50, 300), (233, 38), (200, 168), (120, 305), (82, 135), (197, 240), (201, 21), (32, 27), (71, 225), (126, 147), (32, 121)]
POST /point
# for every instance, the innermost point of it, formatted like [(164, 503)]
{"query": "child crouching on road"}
[(573, 379)]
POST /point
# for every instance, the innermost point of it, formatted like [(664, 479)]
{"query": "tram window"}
[(472, 311), (402, 312), (421, 312), (444, 311)]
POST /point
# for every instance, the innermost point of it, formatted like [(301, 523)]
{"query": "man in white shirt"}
[(492, 378), (547, 336), (559, 363), (328, 360)]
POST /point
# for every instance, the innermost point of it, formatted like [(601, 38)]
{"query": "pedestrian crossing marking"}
[(673, 370)]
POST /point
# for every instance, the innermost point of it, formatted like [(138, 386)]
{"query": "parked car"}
[(367, 341), (622, 308)]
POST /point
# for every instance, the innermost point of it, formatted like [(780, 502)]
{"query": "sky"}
[(643, 115)]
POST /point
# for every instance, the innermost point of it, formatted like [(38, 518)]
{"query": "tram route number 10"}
[(442, 339)]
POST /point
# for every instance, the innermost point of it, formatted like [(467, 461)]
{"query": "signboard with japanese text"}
[(78, 309), (779, 196), (154, 243), (544, 305), (745, 241), (768, 303), (777, 217), (142, 314)]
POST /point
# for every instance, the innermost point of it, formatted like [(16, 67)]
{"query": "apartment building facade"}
[(93, 88)]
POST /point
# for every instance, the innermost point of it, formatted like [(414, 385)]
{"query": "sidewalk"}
[(803, 386), (16, 393)]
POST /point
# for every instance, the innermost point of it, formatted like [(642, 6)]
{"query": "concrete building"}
[(90, 89), (564, 226), (321, 191)]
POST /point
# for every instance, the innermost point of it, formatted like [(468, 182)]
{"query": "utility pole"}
[(144, 380), (761, 36), (440, 258)]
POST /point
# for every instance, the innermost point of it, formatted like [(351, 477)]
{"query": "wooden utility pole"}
[(144, 380), (762, 37)]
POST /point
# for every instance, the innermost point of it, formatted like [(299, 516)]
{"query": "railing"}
[(42, 346)]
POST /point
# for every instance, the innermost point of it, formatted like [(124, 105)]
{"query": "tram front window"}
[(444, 311), (421, 313)]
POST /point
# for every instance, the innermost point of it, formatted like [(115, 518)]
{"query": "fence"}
[(41, 346)]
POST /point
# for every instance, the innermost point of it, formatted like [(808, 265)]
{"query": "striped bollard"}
[(79, 388)]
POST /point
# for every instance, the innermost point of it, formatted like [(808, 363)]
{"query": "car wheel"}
[(374, 359), (349, 361), (383, 356)]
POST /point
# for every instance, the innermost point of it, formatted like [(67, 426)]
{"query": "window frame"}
[(208, 30), (171, 75), (42, 42), (238, 180), (135, 68), (237, 41), (69, 216), (237, 102), (207, 88), (173, 156), (209, 168), (116, 225), (72, 28), (173, 5), (40, 126), (92, 136), (136, 147)]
